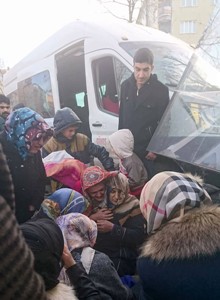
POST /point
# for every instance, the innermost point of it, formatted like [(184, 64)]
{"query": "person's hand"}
[(151, 156), (67, 258), (104, 226), (102, 214)]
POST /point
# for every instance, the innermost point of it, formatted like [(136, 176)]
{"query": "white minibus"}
[(82, 66)]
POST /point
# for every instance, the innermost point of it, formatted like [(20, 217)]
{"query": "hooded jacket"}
[(141, 110), (80, 147), (122, 142), (182, 259)]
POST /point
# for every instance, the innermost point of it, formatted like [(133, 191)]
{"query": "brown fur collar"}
[(197, 233)]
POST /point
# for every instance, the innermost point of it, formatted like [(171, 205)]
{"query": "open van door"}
[(189, 132), (107, 70)]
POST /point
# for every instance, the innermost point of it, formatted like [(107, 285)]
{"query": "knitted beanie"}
[(65, 118)]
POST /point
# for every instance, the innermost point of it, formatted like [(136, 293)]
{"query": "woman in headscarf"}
[(62, 202), (18, 279), (24, 135), (121, 227), (45, 239), (181, 258), (69, 201), (80, 234)]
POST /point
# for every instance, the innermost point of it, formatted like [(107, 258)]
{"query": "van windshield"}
[(170, 60)]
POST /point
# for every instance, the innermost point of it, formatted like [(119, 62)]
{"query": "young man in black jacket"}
[(143, 101)]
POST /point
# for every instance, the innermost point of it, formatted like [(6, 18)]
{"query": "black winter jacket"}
[(85, 288), (141, 110), (29, 179), (122, 243)]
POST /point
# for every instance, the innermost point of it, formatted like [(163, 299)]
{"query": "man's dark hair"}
[(4, 99), (144, 55)]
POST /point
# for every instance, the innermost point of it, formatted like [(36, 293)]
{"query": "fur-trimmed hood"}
[(61, 292), (196, 234)]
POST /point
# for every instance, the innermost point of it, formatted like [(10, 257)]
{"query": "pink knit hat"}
[(94, 175)]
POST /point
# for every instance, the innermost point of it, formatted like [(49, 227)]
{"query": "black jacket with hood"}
[(29, 179), (80, 147), (141, 110)]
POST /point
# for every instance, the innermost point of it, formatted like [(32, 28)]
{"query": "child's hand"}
[(104, 226), (102, 214), (67, 258)]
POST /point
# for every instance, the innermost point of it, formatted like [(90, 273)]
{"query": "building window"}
[(36, 92), (186, 3), (188, 27)]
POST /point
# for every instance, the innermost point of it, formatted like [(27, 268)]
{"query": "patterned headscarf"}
[(78, 230), (166, 194), (23, 126), (94, 175), (69, 201), (127, 205)]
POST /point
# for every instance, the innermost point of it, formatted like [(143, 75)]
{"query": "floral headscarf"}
[(166, 194), (78, 230), (23, 126), (69, 201)]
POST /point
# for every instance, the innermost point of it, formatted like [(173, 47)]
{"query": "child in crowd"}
[(122, 144), (78, 145)]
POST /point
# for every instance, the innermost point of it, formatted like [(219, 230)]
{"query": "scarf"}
[(92, 176), (78, 230), (127, 205), (23, 126), (167, 194), (69, 201)]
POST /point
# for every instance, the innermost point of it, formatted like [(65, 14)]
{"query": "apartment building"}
[(190, 18)]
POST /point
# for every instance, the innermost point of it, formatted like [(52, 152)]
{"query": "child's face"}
[(97, 192), (69, 132), (116, 196)]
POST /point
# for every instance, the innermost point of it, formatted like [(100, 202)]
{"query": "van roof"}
[(115, 31)]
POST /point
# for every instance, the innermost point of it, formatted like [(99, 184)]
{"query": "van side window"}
[(107, 71), (36, 92), (13, 98)]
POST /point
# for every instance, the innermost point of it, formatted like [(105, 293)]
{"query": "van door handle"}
[(97, 124)]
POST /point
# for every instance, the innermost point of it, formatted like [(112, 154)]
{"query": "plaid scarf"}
[(166, 194)]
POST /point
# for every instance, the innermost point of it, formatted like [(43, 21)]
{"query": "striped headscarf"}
[(78, 230), (166, 194), (23, 126)]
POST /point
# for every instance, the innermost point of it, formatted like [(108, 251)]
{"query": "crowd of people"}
[(126, 233)]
